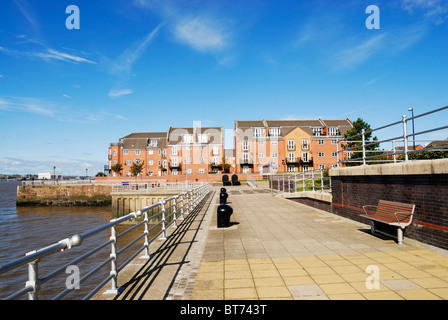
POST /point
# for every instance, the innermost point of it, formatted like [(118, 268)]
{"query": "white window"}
[(150, 152), (245, 157), (261, 142), (189, 171), (174, 162), (245, 145), (334, 141), (174, 151), (188, 159), (290, 144), (291, 157), (201, 170), (125, 152), (333, 131), (258, 132), (317, 132), (137, 152), (274, 132), (115, 153), (215, 150), (165, 164), (174, 172), (150, 162), (187, 138), (321, 166), (160, 163), (291, 168), (153, 142), (201, 159), (215, 160), (321, 142), (305, 156), (305, 168), (164, 153), (321, 154), (150, 173), (305, 144), (128, 162), (202, 138), (260, 155), (274, 154), (245, 169)]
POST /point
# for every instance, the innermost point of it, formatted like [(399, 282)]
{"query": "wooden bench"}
[(391, 213)]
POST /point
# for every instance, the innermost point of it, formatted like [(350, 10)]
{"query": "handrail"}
[(313, 179), (387, 155), (184, 203)]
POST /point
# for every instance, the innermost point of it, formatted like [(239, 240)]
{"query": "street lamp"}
[(413, 131), (54, 175), (86, 173)]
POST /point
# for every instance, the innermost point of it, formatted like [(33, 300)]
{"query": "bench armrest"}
[(369, 206), (404, 217)]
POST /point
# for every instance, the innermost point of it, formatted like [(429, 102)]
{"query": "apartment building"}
[(179, 151), (263, 146)]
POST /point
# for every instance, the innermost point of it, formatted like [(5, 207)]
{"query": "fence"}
[(152, 186), (313, 180), (170, 210), (357, 149), (48, 182)]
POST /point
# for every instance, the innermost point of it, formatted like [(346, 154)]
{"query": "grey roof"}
[(140, 140), (215, 135)]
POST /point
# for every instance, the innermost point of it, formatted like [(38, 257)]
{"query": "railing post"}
[(113, 263), (363, 146), (304, 185), (175, 211), (337, 153), (321, 180), (163, 221), (146, 255), (405, 136), (182, 206), (312, 175), (395, 156), (33, 281), (188, 202)]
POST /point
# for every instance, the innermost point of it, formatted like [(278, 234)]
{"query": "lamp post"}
[(86, 173), (413, 131), (54, 175)]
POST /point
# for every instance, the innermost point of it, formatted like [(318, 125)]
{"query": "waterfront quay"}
[(276, 248)]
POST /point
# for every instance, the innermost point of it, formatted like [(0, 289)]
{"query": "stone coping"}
[(317, 195), (412, 167)]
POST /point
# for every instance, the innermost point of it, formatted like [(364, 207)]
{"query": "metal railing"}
[(152, 186), (50, 182), (312, 180), (393, 149), (169, 211)]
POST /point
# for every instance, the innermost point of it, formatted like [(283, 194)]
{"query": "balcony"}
[(308, 162), (295, 161), (247, 161), (175, 165), (292, 148)]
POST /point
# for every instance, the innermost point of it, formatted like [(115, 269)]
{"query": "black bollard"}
[(224, 212), (223, 198)]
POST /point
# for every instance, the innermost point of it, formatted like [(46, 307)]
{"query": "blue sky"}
[(143, 65)]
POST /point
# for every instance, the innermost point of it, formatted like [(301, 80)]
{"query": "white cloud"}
[(48, 55), (119, 93), (202, 33), (30, 105)]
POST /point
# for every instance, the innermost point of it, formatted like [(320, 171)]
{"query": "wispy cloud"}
[(433, 10), (29, 105), (119, 93), (26, 11), (47, 55)]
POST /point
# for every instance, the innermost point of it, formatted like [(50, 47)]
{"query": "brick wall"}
[(429, 192)]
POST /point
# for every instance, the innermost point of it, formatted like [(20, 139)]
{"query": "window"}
[(305, 156), (260, 155), (215, 160), (305, 168), (150, 173), (258, 132), (291, 156), (334, 141), (174, 151), (160, 163), (333, 131), (189, 171), (153, 142), (245, 145), (125, 152), (274, 154), (137, 152), (150, 152), (321, 142), (215, 149), (291, 168), (174, 172), (187, 138), (245, 169), (188, 159), (114, 162), (261, 142), (334, 154), (150, 162), (245, 157), (164, 153), (321, 166), (274, 142), (201, 159), (202, 138), (115, 153), (305, 145), (201, 170), (321, 154), (317, 132), (291, 145), (165, 164), (128, 162), (274, 132), (174, 162)]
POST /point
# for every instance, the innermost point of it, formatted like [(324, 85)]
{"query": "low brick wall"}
[(423, 183), (64, 195)]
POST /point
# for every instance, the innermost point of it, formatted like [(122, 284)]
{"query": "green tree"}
[(354, 140), (117, 168), (426, 155), (137, 168)]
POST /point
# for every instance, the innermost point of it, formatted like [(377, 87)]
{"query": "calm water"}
[(23, 229)]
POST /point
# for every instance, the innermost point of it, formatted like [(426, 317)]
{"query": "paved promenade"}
[(280, 249)]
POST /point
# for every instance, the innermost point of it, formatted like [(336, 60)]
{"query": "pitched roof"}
[(140, 140)]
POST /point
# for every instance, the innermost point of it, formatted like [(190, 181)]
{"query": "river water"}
[(23, 229)]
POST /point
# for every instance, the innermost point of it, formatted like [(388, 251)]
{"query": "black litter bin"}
[(223, 197), (224, 213)]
